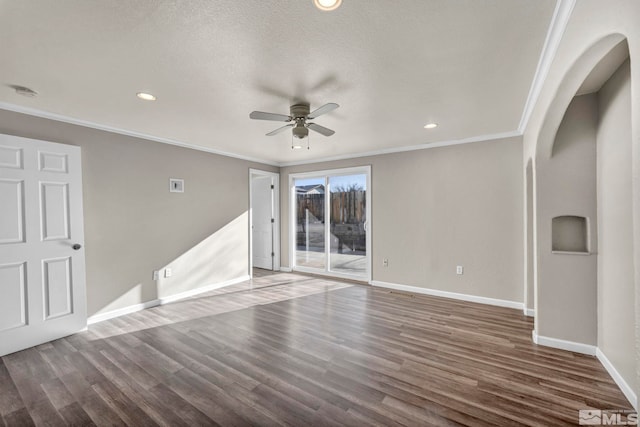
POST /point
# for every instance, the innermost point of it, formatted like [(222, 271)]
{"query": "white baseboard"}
[(161, 301), (624, 387), (529, 312), (576, 347), (203, 289), (122, 311), (286, 269), (591, 350), (452, 295)]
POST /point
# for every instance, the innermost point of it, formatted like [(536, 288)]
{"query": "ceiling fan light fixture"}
[(300, 131), (327, 5), (146, 96), (431, 126), (296, 146)]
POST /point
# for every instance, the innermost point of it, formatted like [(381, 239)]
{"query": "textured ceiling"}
[(391, 65)]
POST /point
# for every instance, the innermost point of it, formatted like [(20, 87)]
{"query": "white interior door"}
[(262, 215), (42, 276)]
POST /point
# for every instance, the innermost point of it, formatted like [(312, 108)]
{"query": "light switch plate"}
[(176, 185), (167, 272)]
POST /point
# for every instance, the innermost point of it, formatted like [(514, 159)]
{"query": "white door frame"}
[(276, 215), (292, 223)]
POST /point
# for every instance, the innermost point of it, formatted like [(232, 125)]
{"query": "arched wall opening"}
[(571, 83), (583, 230)]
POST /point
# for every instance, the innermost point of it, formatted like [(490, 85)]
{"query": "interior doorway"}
[(264, 230)]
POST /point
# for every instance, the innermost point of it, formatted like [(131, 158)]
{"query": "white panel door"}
[(42, 277), (262, 213)]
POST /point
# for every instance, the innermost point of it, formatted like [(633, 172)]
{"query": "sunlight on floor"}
[(265, 289)]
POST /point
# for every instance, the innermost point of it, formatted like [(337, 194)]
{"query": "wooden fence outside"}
[(347, 207), (348, 215)]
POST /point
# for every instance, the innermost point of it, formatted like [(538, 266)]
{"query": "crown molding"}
[(479, 138), (557, 27), (71, 120), (93, 125)]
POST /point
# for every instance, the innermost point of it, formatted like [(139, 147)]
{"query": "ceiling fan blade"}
[(322, 110), (320, 129), (273, 132), (259, 115)]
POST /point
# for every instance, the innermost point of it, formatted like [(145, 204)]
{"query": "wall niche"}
[(569, 234)]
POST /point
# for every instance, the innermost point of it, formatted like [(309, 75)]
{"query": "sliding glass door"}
[(330, 218)]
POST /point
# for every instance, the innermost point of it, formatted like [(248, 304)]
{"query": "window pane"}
[(348, 217), (310, 193)]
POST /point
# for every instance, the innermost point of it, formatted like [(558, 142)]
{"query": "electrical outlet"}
[(459, 269), (385, 262), (156, 275), (167, 272)]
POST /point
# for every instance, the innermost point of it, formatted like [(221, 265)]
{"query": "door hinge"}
[(272, 187), (273, 254), (272, 220)]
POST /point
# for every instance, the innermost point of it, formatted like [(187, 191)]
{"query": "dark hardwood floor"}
[(294, 350)]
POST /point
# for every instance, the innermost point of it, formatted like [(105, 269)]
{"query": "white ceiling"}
[(393, 66)]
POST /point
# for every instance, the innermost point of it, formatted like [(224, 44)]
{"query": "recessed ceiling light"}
[(327, 5), (146, 96), (430, 125), (25, 91)]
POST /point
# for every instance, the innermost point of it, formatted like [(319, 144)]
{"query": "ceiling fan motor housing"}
[(299, 110)]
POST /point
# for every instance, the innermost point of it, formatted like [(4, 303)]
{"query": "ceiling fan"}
[(298, 116)]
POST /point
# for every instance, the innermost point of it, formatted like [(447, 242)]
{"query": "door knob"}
[(76, 246)]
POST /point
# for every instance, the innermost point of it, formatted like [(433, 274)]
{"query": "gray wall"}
[(616, 312), (593, 28), (437, 208), (530, 278), (133, 225), (566, 185)]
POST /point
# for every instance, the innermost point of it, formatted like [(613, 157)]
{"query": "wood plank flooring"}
[(287, 349)]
